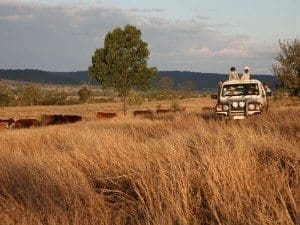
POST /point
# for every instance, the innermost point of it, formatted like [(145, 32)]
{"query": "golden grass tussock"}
[(180, 169)]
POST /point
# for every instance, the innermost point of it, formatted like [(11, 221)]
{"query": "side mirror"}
[(269, 94), (214, 97)]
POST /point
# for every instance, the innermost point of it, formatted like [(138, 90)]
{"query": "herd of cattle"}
[(47, 120)]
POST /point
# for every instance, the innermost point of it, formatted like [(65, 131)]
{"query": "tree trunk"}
[(124, 105)]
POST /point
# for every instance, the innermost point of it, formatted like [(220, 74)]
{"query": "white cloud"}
[(64, 37), (207, 52), (232, 52), (204, 51), (153, 10), (17, 17)]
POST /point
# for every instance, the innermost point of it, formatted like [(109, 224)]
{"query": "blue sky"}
[(207, 36)]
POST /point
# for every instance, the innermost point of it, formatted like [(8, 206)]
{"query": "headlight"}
[(242, 104), (258, 106), (251, 106), (219, 108), (235, 104), (225, 107)]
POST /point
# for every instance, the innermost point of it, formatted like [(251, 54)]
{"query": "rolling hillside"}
[(199, 81)]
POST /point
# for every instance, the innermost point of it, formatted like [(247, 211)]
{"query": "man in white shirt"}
[(246, 74), (233, 75)]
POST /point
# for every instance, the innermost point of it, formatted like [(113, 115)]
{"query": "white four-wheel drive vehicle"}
[(238, 99)]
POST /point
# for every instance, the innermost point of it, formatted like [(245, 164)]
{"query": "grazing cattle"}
[(207, 109), (144, 113), (26, 123), (3, 125), (106, 115), (9, 121), (180, 110), (60, 119), (71, 118), (163, 111), (52, 119)]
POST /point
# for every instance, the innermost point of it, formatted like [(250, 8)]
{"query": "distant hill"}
[(199, 81), (208, 81), (39, 76)]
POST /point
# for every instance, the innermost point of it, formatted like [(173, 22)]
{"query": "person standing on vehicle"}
[(267, 88), (233, 75), (246, 74)]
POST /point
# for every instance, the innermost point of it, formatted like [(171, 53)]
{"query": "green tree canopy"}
[(287, 68), (122, 63)]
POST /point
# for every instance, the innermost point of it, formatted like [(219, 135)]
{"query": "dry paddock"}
[(178, 169), (90, 110)]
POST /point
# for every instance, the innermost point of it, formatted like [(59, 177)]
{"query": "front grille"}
[(237, 112), (238, 108)]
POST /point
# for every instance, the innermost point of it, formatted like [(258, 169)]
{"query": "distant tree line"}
[(37, 95), (30, 95)]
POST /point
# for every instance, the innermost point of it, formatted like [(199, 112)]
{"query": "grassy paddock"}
[(177, 169), (90, 110)]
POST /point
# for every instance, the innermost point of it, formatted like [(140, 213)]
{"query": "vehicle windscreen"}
[(240, 89)]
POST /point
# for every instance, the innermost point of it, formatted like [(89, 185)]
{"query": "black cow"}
[(52, 119), (144, 113), (60, 119), (71, 118)]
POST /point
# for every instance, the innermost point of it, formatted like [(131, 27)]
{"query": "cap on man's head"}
[(246, 68)]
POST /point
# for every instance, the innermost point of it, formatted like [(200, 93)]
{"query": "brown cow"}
[(180, 110), (207, 109), (106, 115), (163, 111), (26, 123), (71, 118), (145, 113), (3, 125)]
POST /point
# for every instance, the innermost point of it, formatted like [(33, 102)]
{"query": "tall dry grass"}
[(171, 170)]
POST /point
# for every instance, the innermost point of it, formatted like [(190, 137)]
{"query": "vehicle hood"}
[(241, 98)]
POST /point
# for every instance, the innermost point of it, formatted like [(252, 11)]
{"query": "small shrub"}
[(32, 95), (175, 105), (136, 100), (101, 100), (4, 99), (85, 94), (54, 98), (278, 95)]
